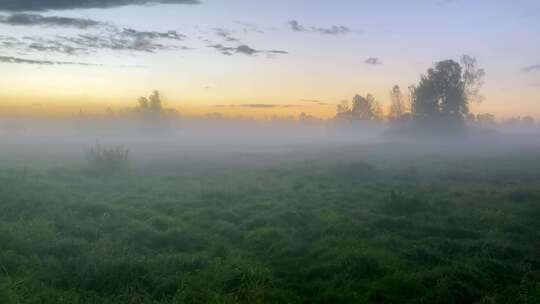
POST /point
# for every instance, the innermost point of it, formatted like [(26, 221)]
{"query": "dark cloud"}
[(39, 20), (43, 5), (109, 37), (8, 42), (223, 49), (37, 44), (250, 27), (173, 35), (243, 49), (333, 30), (372, 61), (53, 21), (315, 101), (50, 45), (531, 68), (276, 52), (121, 41), (295, 26), (445, 2), (9, 59), (112, 39), (225, 35)]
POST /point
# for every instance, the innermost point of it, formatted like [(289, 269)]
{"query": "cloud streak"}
[(373, 61), (9, 59), (333, 30), (45, 5), (53, 21), (244, 49), (112, 38), (531, 68), (315, 102), (126, 40), (226, 35)]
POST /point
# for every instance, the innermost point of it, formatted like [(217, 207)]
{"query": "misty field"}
[(373, 223)]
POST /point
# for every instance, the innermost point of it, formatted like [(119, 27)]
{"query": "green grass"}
[(369, 228)]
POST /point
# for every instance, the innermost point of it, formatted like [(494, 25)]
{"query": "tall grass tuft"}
[(107, 159)]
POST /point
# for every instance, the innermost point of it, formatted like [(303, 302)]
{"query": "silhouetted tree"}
[(152, 112), (442, 97), (303, 117), (486, 120), (528, 121), (473, 78), (152, 104), (397, 105), (470, 118), (364, 109), (343, 107)]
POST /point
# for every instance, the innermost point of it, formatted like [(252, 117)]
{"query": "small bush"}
[(109, 160), (400, 204), (521, 195)]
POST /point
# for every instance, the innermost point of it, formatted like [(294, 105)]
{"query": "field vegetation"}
[(350, 224)]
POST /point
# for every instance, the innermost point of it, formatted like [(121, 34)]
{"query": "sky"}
[(258, 58)]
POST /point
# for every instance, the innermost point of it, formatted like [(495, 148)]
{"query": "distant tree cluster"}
[(438, 104), (397, 107), (152, 112), (362, 109), (151, 104)]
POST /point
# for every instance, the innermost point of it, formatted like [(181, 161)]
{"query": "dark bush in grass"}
[(107, 159), (359, 170), (400, 204), (522, 196)]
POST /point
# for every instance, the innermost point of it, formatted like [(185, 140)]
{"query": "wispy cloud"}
[(250, 27), (373, 61), (126, 40), (531, 68), (44, 5), (112, 38), (226, 35), (52, 21), (243, 49), (9, 59), (315, 102), (445, 2), (333, 30)]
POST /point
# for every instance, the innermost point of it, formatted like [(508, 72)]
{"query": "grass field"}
[(354, 224)]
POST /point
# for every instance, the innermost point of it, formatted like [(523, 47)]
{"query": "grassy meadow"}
[(373, 223)]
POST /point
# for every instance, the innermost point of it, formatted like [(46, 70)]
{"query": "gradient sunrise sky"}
[(258, 58)]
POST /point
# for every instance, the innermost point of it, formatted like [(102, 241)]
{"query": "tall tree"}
[(364, 109), (397, 105), (444, 93), (473, 76)]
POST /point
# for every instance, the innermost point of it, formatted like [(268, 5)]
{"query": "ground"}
[(378, 223)]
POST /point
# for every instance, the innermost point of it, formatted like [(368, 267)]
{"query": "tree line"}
[(439, 102)]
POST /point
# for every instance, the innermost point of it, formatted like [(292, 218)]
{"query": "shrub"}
[(104, 159), (400, 204)]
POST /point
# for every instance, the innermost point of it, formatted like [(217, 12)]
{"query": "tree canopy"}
[(443, 95), (363, 109)]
